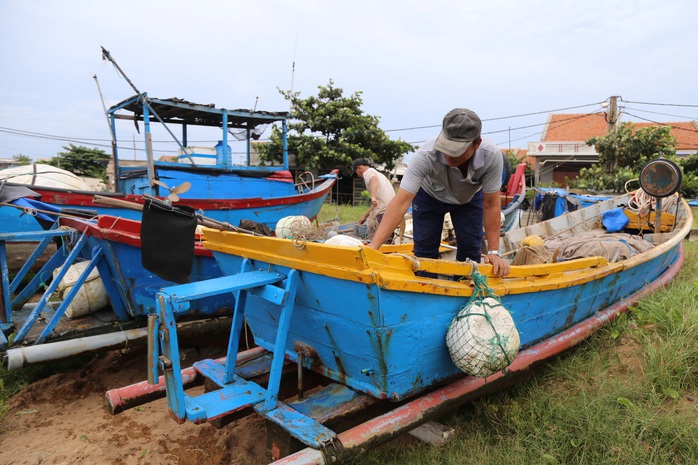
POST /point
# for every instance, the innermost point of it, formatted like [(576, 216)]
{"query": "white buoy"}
[(482, 339), (288, 225)]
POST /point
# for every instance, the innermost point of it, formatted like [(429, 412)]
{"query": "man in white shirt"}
[(380, 188), (459, 173)]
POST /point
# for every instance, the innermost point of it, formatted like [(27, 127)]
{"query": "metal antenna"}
[(107, 56), (106, 115)]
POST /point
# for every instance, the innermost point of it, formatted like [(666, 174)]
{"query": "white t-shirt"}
[(385, 191), (428, 169)]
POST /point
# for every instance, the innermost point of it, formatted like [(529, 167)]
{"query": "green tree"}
[(22, 159), (330, 130), (82, 161), (689, 185), (622, 154), (690, 164), (630, 148)]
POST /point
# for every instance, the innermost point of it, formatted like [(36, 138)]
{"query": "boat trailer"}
[(328, 419)]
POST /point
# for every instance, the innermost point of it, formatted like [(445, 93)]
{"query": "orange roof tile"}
[(580, 127), (686, 133), (573, 127)]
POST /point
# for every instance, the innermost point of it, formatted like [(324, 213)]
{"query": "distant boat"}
[(206, 182), (12, 181), (40, 174)]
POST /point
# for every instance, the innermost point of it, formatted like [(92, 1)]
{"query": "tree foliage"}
[(622, 154), (22, 159), (82, 161), (630, 148), (331, 130), (689, 184)]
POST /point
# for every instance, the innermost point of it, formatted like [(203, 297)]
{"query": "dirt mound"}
[(63, 419)]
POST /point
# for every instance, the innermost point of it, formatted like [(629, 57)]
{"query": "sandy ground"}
[(63, 420)]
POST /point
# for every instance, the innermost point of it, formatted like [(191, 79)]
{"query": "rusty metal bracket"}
[(332, 450)]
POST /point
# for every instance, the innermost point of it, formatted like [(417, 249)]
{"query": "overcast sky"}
[(413, 61)]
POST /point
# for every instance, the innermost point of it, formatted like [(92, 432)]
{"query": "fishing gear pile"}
[(482, 339)]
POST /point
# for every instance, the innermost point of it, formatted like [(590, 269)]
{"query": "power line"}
[(661, 104), (678, 128), (503, 117), (544, 112), (663, 114)]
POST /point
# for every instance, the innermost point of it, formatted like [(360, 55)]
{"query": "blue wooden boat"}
[(112, 245), (369, 324), (267, 210), (221, 190)]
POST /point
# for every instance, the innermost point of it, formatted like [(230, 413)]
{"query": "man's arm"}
[(394, 214), (493, 217), (372, 189)]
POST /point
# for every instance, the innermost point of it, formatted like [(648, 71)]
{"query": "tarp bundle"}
[(613, 247)]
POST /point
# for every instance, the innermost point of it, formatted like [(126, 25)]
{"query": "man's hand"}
[(500, 267)]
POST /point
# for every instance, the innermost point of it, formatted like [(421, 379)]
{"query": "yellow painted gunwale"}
[(395, 271)]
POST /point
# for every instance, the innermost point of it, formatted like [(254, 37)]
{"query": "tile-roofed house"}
[(685, 133), (562, 150)]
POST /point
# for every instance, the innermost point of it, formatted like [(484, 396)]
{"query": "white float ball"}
[(482, 339), (288, 225)]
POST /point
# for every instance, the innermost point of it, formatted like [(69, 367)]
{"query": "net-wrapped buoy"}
[(482, 339), (287, 226)]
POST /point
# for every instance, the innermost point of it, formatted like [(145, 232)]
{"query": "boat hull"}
[(267, 210), (438, 402), (369, 322), (211, 182), (391, 344)]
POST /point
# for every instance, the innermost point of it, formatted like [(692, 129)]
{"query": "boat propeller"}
[(173, 196)]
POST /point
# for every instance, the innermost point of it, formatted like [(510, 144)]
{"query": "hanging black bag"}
[(167, 240)]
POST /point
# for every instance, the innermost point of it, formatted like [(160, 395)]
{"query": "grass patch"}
[(627, 395), (344, 213)]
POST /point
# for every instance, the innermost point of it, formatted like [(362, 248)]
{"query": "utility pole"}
[(612, 115), (612, 123)]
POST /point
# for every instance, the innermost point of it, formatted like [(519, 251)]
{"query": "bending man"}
[(458, 172), (378, 185)]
